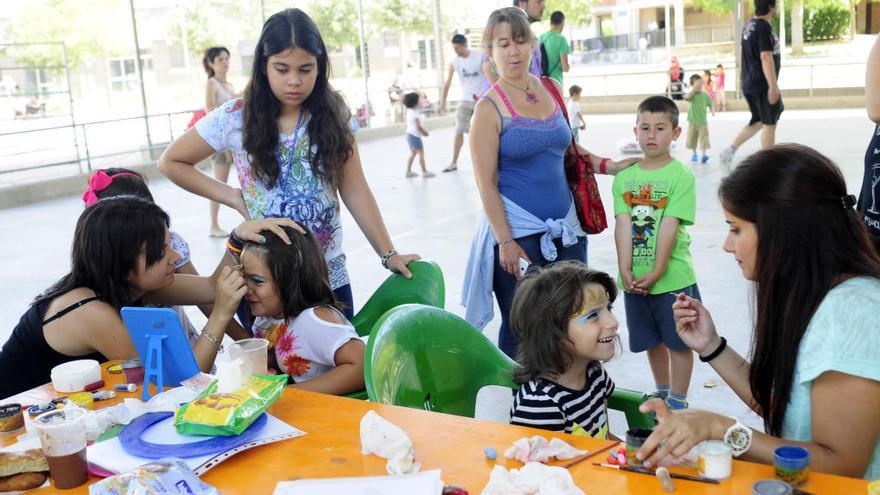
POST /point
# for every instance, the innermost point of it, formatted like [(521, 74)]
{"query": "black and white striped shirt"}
[(543, 404)]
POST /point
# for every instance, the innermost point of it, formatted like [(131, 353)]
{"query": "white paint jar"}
[(715, 459)]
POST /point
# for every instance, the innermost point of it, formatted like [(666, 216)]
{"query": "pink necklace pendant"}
[(531, 97)]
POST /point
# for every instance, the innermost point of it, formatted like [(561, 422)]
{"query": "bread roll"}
[(22, 481), (26, 461)]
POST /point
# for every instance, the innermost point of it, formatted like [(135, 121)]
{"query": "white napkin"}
[(532, 479), (381, 437), (537, 449)]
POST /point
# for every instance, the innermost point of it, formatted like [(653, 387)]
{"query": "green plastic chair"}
[(425, 287), (427, 358)]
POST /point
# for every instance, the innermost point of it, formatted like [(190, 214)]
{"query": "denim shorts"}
[(414, 142), (650, 322)]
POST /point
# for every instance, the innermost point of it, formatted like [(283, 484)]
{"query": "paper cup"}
[(63, 438), (252, 351)]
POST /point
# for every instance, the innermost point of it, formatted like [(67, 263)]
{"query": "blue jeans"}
[(504, 284)]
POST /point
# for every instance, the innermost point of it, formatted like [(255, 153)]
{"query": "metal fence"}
[(87, 145), (655, 39), (52, 150)]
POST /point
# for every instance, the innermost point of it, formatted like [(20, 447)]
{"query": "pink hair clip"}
[(98, 182)]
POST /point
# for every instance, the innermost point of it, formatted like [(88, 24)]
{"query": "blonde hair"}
[(519, 25)]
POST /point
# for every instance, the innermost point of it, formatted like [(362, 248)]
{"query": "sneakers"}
[(727, 157), (694, 157), (704, 159)]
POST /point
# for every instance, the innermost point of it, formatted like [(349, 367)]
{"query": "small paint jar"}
[(715, 459), (771, 487), (874, 488), (791, 464), (133, 370), (635, 437), (11, 417), (38, 409)]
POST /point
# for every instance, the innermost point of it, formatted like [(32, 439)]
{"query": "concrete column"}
[(679, 22)]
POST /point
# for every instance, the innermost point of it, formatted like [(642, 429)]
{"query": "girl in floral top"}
[(288, 292), (293, 151)]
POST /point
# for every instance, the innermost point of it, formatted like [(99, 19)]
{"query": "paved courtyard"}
[(437, 217)]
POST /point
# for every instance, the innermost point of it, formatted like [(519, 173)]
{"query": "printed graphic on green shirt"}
[(645, 220)]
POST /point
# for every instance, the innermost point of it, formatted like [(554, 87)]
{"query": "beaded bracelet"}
[(602, 164), (234, 244), (387, 256)]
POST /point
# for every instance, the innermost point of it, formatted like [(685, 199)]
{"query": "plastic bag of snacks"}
[(162, 477), (215, 414)]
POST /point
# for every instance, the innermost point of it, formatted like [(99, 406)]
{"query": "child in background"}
[(698, 123), (709, 84), (654, 201), (288, 290), (414, 133), (576, 118), (562, 316), (719, 88)]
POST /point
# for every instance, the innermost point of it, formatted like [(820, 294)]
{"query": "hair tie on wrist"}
[(717, 352)]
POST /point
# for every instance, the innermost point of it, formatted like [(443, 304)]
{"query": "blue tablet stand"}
[(162, 345)]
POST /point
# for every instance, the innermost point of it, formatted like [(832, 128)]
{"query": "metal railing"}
[(83, 143), (655, 39), (806, 77)]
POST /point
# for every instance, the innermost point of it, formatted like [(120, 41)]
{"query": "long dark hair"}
[(108, 239), (299, 270), (329, 115), (210, 55), (546, 300), (809, 240)]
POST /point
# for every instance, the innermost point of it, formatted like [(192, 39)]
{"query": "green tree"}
[(201, 24), (577, 12), (73, 23), (337, 20), (403, 16)]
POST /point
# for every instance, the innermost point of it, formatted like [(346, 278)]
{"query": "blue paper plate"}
[(132, 442)]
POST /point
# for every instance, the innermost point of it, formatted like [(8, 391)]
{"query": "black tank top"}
[(26, 359), (869, 198)]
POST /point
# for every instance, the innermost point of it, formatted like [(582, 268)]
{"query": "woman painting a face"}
[(793, 231)]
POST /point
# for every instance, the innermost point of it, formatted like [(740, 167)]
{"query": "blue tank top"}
[(531, 172)]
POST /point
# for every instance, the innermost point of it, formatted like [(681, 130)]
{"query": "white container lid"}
[(73, 376)]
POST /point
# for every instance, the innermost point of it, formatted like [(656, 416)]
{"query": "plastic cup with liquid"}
[(62, 435), (254, 352)]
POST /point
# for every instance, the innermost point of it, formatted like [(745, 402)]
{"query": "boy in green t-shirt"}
[(653, 202), (556, 47), (698, 123)]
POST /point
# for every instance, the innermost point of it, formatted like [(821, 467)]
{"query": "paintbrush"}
[(590, 454), (641, 470)]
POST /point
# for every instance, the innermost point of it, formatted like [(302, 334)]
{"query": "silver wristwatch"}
[(739, 438)]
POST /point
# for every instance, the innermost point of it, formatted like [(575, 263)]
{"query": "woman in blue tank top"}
[(518, 140)]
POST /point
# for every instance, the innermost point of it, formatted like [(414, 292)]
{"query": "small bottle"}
[(125, 387)]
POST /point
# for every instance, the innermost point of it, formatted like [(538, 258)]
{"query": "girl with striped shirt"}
[(562, 316)]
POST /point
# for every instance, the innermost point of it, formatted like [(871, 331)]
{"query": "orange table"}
[(331, 448)]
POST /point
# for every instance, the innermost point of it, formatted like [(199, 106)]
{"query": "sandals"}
[(451, 168)]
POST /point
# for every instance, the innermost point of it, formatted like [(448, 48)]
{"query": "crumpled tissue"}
[(122, 414), (532, 479), (537, 449), (379, 436)]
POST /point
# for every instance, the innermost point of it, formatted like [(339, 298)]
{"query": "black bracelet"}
[(717, 352)]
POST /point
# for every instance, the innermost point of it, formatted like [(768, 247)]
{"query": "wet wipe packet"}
[(215, 414), (161, 477)]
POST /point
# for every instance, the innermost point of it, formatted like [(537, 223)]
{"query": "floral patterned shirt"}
[(298, 193), (304, 346)]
